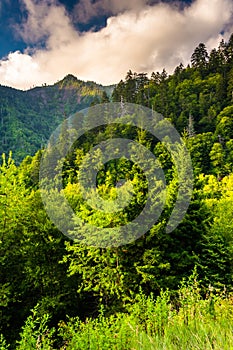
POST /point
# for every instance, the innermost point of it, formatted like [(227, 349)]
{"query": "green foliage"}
[(3, 343), (30, 251), (35, 333), (224, 126), (188, 322), (215, 263), (26, 126), (118, 298)]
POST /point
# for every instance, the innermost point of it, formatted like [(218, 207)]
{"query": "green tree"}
[(199, 58), (224, 127), (104, 97)]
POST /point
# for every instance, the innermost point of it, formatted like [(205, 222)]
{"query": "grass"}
[(189, 322)]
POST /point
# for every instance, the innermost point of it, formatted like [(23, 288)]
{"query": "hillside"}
[(165, 289), (27, 118), (197, 99)]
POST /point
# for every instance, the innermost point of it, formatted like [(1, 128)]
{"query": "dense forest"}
[(161, 291), (27, 118)]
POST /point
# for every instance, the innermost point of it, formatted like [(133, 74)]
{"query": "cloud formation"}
[(142, 38), (86, 9)]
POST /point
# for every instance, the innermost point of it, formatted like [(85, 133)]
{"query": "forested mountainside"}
[(164, 290), (197, 98), (27, 118)]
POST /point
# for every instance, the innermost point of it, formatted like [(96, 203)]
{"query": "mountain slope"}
[(27, 118)]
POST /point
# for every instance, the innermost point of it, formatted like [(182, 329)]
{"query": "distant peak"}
[(68, 80), (70, 77)]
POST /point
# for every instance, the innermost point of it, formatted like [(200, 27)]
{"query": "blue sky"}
[(13, 12), (43, 40)]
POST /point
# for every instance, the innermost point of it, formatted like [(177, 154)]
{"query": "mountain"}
[(27, 118)]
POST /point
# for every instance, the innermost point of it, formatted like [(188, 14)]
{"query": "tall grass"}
[(189, 322)]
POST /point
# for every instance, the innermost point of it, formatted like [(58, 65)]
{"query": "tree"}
[(199, 58), (224, 126), (216, 259), (229, 51), (104, 98), (30, 251), (14, 217), (217, 158), (200, 146), (216, 61)]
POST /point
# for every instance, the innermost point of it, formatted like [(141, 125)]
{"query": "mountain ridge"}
[(27, 118), (67, 78)]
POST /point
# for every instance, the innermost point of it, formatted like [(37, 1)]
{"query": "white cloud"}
[(142, 38)]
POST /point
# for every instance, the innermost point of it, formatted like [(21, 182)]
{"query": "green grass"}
[(191, 322)]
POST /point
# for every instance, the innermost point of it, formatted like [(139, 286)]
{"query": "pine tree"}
[(200, 56)]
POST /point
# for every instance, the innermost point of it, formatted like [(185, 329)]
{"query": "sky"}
[(41, 41)]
